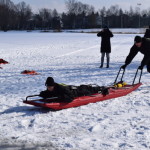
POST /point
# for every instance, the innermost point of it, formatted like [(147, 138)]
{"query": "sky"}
[(98, 4)]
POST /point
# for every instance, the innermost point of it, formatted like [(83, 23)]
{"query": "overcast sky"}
[(98, 4)]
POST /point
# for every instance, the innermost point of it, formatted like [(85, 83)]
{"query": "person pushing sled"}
[(140, 45)]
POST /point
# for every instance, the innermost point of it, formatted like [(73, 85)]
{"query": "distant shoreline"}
[(114, 30)]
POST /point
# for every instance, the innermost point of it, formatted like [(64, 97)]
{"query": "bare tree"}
[(24, 14), (7, 14), (46, 17), (77, 8)]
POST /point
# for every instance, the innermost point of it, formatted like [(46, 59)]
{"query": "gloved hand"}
[(124, 66), (44, 94), (140, 67)]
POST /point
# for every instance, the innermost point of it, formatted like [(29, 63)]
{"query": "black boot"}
[(107, 66), (101, 66)]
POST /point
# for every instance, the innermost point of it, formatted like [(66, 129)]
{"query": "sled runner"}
[(114, 92)]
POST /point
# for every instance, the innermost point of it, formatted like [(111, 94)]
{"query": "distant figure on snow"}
[(67, 93), (140, 45), (105, 35), (147, 33)]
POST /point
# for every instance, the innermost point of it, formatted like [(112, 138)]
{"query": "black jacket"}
[(144, 49), (147, 33), (62, 92), (105, 34)]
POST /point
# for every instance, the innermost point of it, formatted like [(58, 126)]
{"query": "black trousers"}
[(102, 58)]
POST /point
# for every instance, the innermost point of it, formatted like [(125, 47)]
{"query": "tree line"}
[(78, 15)]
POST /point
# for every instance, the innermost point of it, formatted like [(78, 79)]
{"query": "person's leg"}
[(108, 59), (102, 59), (148, 67)]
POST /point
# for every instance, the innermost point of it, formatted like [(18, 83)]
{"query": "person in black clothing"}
[(56, 90), (105, 35), (147, 33), (68, 93), (140, 45)]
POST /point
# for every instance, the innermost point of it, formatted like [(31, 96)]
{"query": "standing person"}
[(105, 35), (140, 45), (147, 33)]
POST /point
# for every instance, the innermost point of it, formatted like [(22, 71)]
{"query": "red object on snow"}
[(2, 61), (84, 100), (29, 72)]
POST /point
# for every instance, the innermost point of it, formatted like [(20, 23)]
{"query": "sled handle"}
[(119, 73), (31, 96), (39, 95), (136, 75)]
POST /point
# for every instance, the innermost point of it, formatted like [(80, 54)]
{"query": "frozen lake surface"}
[(71, 58)]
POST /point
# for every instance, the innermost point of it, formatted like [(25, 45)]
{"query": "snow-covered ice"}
[(72, 58)]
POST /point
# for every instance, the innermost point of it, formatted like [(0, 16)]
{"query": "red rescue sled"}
[(84, 100), (114, 92)]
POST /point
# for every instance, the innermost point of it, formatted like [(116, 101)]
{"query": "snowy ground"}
[(72, 58)]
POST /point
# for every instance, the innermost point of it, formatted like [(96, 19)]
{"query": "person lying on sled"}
[(140, 45), (68, 93)]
